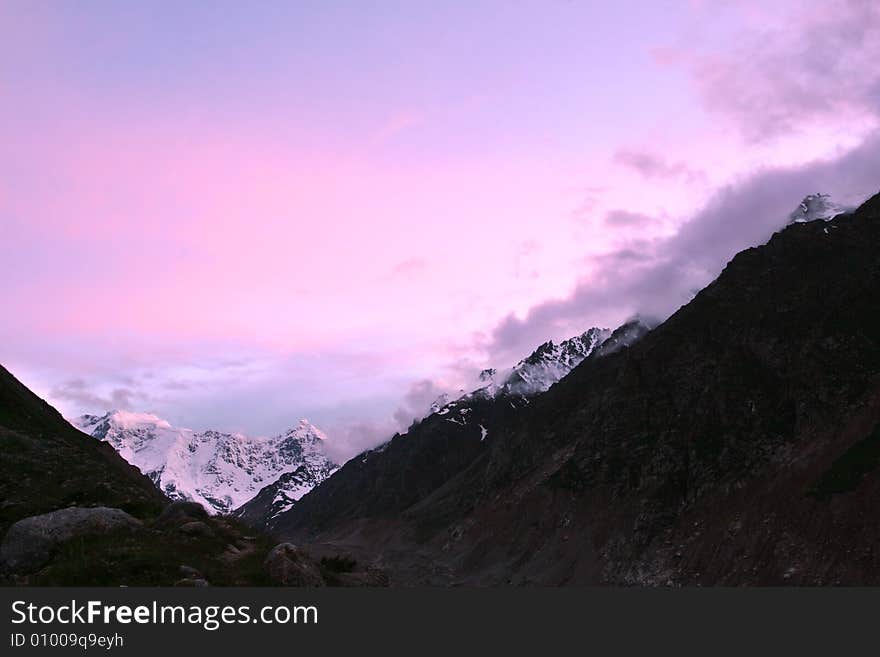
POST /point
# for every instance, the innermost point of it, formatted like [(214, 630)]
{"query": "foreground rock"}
[(179, 513), (196, 528), (30, 542), (289, 566)]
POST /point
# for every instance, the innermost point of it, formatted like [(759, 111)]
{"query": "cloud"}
[(654, 278), (417, 401), (351, 437), (347, 439), (175, 385), (625, 218), (84, 395), (816, 68), (818, 65), (650, 165)]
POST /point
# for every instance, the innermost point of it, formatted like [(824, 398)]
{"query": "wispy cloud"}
[(651, 165), (85, 395), (817, 64), (625, 218)]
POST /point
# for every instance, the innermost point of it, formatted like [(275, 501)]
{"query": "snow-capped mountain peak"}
[(439, 403), (530, 376), (816, 206), (550, 362), (217, 469), (488, 375), (533, 375)]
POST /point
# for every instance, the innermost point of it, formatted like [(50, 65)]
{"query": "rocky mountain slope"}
[(389, 479), (73, 512), (736, 443), (219, 470), (280, 496), (544, 366), (815, 207), (454, 423), (46, 464)]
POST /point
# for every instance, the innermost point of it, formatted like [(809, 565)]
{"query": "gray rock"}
[(189, 571), (196, 528), (289, 566), (30, 542), (192, 581), (180, 512)]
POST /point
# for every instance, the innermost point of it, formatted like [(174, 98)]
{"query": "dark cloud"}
[(655, 278)]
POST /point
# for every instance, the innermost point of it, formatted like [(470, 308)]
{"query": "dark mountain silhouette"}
[(272, 500), (735, 443), (73, 512), (46, 464)]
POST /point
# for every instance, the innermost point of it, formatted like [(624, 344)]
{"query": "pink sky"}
[(236, 217)]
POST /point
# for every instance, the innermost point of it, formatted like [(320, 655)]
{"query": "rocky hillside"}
[(74, 512), (280, 496), (46, 464), (407, 468), (544, 366), (736, 443)]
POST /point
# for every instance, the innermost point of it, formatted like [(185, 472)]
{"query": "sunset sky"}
[(238, 214)]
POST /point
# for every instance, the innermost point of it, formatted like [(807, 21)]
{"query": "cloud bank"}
[(812, 70), (655, 278)]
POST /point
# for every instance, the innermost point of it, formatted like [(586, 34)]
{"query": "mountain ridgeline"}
[(392, 477), (736, 443), (73, 512), (219, 470), (45, 463)]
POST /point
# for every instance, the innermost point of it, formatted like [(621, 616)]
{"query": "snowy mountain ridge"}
[(817, 206), (534, 374), (537, 372), (549, 363), (219, 470)]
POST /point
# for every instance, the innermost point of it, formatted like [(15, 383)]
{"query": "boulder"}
[(189, 571), (30, 542), (196, 528), (180, 512), (289, 566), (197, 582)]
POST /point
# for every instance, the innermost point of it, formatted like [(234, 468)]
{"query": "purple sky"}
[(235, 215)]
